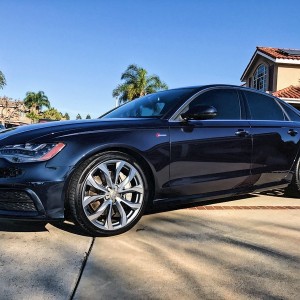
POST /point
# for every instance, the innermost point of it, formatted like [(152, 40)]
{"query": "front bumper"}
[(32, 191)]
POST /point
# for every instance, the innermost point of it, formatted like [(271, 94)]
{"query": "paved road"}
[(183, 254)]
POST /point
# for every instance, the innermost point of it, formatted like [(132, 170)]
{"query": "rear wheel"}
[(108, 193), (293, 189)]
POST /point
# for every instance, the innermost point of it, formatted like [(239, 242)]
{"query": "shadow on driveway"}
[(22, 226), (193, 254)]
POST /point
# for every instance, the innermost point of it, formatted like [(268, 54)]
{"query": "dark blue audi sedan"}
[(181, 145)]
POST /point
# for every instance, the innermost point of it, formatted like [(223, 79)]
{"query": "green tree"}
[(88, 116), (36, 101), (33, 116), (66, 116), (137, 83), (78, 117), (51, 114), (2, 80)]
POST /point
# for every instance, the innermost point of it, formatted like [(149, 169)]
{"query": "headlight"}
[(23, 153)]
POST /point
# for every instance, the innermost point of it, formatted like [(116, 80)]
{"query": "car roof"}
[(206, 86)]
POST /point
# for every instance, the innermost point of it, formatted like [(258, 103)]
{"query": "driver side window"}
[(226, 102)]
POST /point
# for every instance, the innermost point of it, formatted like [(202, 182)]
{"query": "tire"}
[(293, 189), (108, 193)]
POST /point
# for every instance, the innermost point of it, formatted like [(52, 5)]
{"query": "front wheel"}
[(108, 194)]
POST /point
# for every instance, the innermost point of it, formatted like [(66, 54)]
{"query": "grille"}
[(16, 201)]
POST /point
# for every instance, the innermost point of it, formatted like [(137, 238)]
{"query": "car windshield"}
[(153, 105)]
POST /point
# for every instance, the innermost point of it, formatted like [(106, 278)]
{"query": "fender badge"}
[(160, 134)]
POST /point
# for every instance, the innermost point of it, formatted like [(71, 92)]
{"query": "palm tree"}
[(137, 83), (36, 101), (2, 80)]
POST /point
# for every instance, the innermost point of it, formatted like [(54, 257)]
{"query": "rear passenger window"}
[(263, 107), (226, 102), (294, 116)]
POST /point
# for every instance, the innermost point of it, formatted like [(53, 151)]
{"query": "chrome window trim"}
[(174, 117), (283, 109)]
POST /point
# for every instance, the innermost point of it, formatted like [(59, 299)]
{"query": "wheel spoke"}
[(133, 206), (122, 212), (119, 166), (100, 211), (107, 175), (108, 223), (92, 182), (139, 189), (89, 199), (127, 179)]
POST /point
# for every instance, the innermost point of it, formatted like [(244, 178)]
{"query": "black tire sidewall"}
[(293, 189)]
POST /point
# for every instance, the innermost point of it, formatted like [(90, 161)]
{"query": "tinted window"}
[(294, 116), (226, 102), (263, 107), (153, 105)]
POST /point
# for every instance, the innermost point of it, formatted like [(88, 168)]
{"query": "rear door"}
[(211, 155), (275, 139)]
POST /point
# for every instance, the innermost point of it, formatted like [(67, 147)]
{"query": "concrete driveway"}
[(246, 248), (39, 261)]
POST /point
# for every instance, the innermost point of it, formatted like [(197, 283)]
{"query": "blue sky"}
[(76, 50)]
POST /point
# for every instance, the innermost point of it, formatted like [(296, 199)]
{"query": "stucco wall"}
[(287, 75)]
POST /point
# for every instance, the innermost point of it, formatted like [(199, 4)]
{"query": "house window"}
[(260, 78)]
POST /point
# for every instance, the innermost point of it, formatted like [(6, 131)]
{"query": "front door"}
[(211, 156)]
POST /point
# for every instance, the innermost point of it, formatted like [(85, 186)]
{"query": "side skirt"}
[(220, 195)]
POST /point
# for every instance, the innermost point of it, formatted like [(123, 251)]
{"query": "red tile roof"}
[(277, 53), (289, 92)]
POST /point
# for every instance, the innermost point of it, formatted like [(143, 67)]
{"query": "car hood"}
[(27, 133)]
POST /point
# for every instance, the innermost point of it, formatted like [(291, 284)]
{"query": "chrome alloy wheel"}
[(112, 194)]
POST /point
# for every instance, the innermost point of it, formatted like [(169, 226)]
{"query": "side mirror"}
[(200, 112)]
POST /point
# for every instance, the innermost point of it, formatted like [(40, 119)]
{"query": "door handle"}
[(292, 132), (242, 132)]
